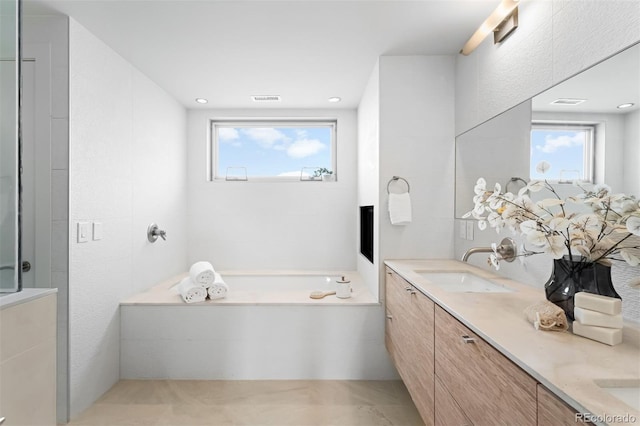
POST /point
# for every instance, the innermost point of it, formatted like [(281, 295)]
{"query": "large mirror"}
[(581, 127)]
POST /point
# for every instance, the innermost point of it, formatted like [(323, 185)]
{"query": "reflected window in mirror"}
[(565, 148)]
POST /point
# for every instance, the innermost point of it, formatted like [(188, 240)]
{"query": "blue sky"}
[(273, 151), (563, 149)]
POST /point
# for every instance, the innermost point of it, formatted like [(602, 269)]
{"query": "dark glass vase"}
[(570, 276)]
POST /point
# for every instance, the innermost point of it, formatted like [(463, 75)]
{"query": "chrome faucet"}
[(153, 232), (506, 250)]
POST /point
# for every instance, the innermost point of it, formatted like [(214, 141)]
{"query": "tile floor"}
[(285, 402)]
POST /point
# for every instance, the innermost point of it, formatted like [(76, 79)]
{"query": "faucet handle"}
[(153, 232), (507, 250)]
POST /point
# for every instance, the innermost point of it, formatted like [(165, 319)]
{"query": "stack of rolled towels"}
[(202, 283), (598, 318)]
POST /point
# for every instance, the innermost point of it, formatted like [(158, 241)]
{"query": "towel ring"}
[(395, 178), (514, 180)]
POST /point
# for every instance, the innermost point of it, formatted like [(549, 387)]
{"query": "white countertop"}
[(567, 364), (25, 295)]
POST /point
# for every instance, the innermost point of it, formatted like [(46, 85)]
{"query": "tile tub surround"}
[(568, 365), (282, 402), (162, 294), (254, 334)]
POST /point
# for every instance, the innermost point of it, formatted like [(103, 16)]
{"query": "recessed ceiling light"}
[(568, 101), (623, 106), (334, 99), (201, 100)]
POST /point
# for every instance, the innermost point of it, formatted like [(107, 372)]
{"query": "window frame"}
[(216, 175), (588, 149)]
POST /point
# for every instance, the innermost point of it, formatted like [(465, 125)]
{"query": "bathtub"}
[(267, 328)]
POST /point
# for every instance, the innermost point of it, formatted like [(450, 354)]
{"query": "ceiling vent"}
[(266, 98), (568, 101)]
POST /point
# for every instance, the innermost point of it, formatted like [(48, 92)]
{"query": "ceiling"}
[(304, 51)]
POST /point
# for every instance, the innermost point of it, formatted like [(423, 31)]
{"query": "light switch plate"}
[(470, 225), (462, 230), (97, 231), (83, 232)]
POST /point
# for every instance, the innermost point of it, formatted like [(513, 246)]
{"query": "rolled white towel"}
[(202, 273), (191, 292), (218, 289)]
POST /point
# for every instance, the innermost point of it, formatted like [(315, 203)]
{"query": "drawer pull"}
[(389, 317), (408, 288), (468, 339)]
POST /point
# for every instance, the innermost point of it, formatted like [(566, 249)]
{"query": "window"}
[(272, 149), (567, 147)]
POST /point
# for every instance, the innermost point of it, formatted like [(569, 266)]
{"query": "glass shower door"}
[(9, 147)]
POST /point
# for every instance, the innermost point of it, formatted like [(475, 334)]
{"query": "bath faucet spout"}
[(506, 250)]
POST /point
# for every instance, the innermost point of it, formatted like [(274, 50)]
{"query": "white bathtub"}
[(266, 328), (265, 287)]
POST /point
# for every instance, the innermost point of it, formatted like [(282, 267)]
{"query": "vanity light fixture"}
[(334, 99), (502, 22), (627, 105), (201, 100)]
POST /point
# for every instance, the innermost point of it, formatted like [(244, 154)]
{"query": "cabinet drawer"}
[(448, 412), (554, 412), (487, 386)]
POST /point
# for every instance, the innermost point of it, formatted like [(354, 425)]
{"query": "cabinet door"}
[(448, 412), (410, 340), (554, 412), (489, 388)]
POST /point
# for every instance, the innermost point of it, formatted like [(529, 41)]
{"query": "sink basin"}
[(625, 391), (462, 282)]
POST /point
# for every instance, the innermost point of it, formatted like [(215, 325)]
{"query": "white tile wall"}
[(260, 225), (554, 41), (254, 342), (128, 169)]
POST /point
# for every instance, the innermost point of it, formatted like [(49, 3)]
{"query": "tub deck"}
[(242, 294)]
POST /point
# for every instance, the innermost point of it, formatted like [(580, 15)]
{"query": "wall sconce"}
[(502, 22)]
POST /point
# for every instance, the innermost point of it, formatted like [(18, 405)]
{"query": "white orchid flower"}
[(537, 238), (529, 226), (482, 225), (559, 224), (536, 185), (629, 258), (494, 261), (549, 202), (633, 225), (543, 167), (494, 219), (556, 247)]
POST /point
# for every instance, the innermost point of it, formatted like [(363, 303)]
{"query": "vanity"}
[(468, 355)]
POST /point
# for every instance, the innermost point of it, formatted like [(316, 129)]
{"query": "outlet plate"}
[(83, 232)]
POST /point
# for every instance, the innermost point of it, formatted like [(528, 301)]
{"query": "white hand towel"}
[(218, 289), (400, 208), (191, 292), (202, 273)]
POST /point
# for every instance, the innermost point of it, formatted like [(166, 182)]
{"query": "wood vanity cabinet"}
[(409, 338), (554, 412), (487, 386)]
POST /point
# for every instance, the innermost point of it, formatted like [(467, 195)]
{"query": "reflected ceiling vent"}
[(568, 101), (266, 98)]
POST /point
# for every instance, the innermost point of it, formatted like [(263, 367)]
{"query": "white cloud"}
[(305, 148), (227, 133), (266, 137), (552, 144)]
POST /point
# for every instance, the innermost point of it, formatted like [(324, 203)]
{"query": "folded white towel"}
[(202, 273), (218, 289), (191, 292), (400, 208)]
